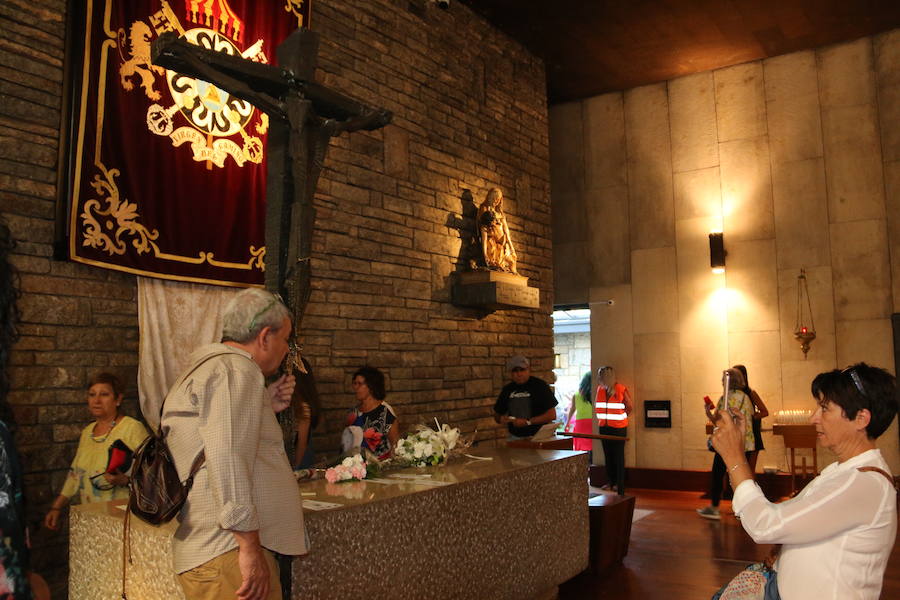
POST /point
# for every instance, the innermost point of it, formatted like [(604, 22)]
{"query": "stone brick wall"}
[(470, 114), (574, 351), (75, 320)]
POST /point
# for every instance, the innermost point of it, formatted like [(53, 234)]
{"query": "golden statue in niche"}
[(496, 243)]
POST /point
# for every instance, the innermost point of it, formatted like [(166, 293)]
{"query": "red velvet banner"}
[(168, 173)]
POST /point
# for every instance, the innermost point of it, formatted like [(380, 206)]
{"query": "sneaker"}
[(709, 512)]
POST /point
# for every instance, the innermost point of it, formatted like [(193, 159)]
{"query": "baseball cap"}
[(517, 362)]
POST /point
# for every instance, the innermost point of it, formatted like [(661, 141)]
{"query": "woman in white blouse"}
[(838, 532)]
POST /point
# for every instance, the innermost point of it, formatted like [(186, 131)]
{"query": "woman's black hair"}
[(374, 381), (9, 318), (584, 388), (306, 391), (858, 387), (743, 370)]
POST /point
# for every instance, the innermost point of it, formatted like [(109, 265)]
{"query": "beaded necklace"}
[(101, 439)]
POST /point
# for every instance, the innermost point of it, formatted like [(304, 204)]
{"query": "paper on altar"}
[(320, 505), (546, 432)]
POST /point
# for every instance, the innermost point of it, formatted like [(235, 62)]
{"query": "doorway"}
[(572, 352)]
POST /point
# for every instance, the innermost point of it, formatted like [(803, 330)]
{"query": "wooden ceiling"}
[(595, 46)]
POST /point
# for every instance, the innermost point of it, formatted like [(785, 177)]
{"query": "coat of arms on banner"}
[(168, 170), (215, 124)]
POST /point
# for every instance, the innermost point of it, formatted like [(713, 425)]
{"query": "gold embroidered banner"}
[(168, 172)]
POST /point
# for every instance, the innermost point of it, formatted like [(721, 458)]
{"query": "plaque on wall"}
[(658, 413)]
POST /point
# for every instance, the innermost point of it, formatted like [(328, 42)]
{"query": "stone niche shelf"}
[(493, 290)]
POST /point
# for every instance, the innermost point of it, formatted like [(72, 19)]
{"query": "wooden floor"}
[(675, 554)]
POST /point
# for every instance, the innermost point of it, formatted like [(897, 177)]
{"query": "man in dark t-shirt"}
[(526, 402)]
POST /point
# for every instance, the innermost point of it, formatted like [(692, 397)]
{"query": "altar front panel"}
[(512, 527), (515, 526)]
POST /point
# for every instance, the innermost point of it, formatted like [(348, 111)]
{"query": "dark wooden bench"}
[(610, 518)]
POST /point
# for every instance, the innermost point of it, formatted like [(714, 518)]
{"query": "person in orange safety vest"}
[(612, 406)]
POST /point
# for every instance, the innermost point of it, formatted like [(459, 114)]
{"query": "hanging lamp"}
[(805, 329)]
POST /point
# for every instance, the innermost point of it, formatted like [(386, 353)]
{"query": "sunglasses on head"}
[(854, 376)]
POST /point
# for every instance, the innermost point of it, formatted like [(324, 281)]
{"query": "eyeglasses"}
[(275, 298), (854, 376)]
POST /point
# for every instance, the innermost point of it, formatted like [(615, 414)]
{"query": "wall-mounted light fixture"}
[(805, 330), (717, 252)]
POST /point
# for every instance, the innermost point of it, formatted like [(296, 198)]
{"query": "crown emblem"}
[(215, 15)]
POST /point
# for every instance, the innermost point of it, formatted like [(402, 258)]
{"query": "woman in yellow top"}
[(88, 474)]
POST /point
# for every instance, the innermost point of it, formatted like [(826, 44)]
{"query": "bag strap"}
[(181, 379), (200, 458), (776, 550), (195, 466), (886, 475), (189, 482), (877, 470)]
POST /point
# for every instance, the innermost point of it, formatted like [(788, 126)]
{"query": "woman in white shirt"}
[(838, 532)]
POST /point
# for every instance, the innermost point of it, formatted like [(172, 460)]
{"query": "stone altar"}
[(514, 526)]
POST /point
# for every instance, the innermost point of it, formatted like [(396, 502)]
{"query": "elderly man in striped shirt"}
[(244, 505)]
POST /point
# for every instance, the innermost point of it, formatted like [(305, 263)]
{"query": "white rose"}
[(418, 449)]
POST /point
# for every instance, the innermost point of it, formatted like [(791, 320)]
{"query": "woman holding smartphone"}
[(734, 401)]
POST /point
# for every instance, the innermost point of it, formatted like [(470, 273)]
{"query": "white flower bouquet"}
[(352, 467), (427, 447)]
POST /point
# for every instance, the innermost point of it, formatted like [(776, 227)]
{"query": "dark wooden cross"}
[(304, 116)]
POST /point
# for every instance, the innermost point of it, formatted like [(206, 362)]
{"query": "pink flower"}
[(331, 475)]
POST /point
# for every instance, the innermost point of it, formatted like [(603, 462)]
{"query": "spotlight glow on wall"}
[(717, 252)]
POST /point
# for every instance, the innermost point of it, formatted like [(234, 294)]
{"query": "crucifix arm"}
[(374, 119), (334, 106), (257, 83)]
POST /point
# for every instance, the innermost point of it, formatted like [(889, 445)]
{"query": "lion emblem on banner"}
[(138, 43)]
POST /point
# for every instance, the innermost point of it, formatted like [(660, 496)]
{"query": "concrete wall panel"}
[(604, 141), (752, 285), (854, 172), (698, 194), (740, 102), (566, 148), (747, 189), (801, 214), (861, 273), (656, 360), (792, 107), (607, 232), (649, 167), (692, 110), (846, 74), (655, 285)]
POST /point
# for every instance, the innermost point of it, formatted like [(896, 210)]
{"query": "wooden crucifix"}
[(304, 116)]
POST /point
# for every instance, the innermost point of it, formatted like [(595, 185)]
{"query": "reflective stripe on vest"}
[(611, 414)]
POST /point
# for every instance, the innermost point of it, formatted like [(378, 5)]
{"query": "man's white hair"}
[(249, 312)]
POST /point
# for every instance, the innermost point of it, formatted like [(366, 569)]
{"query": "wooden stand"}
[(620, 484), (610, 519), (799, 437)]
